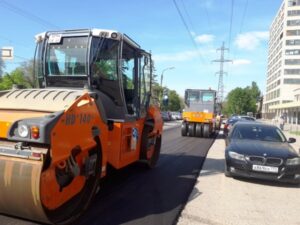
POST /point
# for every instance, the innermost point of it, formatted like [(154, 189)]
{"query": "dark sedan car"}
[(229, 124), (261, 151)]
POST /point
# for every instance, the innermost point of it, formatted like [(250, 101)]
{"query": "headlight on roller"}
[(294, 161), (236, 156), (23, 131)]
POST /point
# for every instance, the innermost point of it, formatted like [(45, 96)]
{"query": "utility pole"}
[(220, 93)]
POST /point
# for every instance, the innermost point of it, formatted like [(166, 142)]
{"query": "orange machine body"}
[(198, 117), (118, 146), (57, 140)]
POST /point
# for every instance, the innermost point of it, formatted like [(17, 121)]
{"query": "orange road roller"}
[(92, 109), (201, 114)]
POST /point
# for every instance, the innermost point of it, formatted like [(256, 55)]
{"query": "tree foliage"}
[(29, 73), (242, 100), (16, 77), (174, 101), (2, 67), (22, 76)]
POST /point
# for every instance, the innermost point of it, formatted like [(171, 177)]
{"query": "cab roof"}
[(93, 32)]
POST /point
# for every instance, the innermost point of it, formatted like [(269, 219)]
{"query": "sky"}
[(184, 34)]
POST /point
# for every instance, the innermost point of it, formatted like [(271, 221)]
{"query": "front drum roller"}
[(22, 188)]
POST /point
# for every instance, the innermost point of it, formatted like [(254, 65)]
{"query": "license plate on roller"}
[(266, 169)]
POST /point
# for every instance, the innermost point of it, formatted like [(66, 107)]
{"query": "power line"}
[(188, 15), (242, 22), (26, 14), (243, 17), (230, 26), (21, 57), (188, 30), (8, 62), (208, 18), (15, 43)]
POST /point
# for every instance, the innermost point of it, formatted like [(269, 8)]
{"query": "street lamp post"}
[(162, 74)]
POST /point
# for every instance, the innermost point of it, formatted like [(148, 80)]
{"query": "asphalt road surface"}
[(136, 195)]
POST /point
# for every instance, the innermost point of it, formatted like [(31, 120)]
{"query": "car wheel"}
[(191, 127), (206, 132), (198, 130), (226, 172), (183, 129)]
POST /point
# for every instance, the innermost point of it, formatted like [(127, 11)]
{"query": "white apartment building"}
[(283, 73)]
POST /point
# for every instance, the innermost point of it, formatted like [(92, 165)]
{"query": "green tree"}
[(242, 100), (254, 90), (239, 101), (28, 73), (2, 67), (174, 101), (15, 77)]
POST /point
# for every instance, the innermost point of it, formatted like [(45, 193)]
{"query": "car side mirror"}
[(291, 140)]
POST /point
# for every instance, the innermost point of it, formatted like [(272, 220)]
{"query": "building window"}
[(293, 23), (293, 42), (286, 101), (293, 33), (293, 12), (292, 62), (293, 2), (291, 81), (292, 52), (292, 71)]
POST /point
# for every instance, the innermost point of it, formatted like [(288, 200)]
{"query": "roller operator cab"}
[(92, 109), (200, 118)]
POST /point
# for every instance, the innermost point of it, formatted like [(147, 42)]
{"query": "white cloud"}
[(180, 56), (251, 40), (204, 38), (238, 62)]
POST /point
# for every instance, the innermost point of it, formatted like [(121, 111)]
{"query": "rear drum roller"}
[(198, 130), (75, 207), (191, 127), (206, 131), (184, 128), (150, 148)]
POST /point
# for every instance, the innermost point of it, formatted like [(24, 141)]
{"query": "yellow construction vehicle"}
[(92, 109), (200, 117)]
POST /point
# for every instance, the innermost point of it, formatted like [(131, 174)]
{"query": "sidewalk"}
[(219, 200), (171, 124)]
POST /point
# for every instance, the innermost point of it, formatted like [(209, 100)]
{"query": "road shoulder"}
[(217, 199)]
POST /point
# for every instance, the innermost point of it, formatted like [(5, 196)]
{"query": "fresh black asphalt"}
[(136, 195)]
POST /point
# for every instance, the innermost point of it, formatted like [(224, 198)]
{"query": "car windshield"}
[(258, 132), (66, 56), (234, 120), (248, 118)]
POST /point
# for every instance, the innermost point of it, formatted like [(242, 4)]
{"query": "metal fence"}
[(287, 126)]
